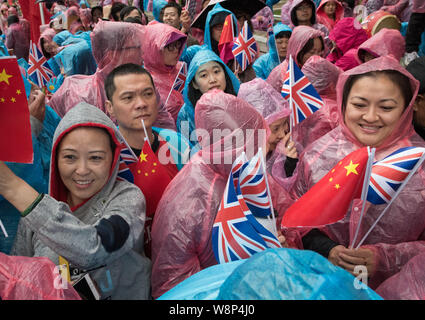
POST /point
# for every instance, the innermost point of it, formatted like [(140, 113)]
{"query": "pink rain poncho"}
[(400, 234), (408, 284), (297, 41), (18, 39), (385, 42), (348, 35), (32, 278), (323, 18), (113, 44), (158, 35), (324, 76), (181, 231)]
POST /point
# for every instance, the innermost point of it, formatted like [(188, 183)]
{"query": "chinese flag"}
[(329, 199), (151, 177), (31, 12), (225, 45), (15, 127)]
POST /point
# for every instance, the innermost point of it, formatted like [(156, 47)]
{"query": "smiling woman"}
[(89, 218)]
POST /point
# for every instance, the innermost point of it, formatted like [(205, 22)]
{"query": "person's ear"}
[(419, 102), (109, 107)]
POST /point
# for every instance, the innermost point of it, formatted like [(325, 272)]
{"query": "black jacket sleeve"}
[(317, 241)]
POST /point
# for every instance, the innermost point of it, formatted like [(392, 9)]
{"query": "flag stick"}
[(268, 189), (364, 191), (3, 229), (291, 103), (172, 87), (411, 173), (146, 133), (41, 13)]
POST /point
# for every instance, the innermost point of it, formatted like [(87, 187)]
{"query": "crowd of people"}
[(115, 65)]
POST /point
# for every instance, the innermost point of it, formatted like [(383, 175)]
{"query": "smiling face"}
[(134, 99), (84, 162), (329, 8), (373, 108), (210, 76)]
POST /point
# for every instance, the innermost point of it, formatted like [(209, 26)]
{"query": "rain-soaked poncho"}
[(385, 42), (348, 35), (408, 284), (32, 278), (18, 39), (186, 116), (299, 38), (181, 231), (323, 18), (288, 274), (268, 61), (400, 234), (159, 35), (113, 44)]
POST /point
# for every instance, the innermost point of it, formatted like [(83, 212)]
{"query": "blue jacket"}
[(35, 174), (268, 61), (157, 7), (207, 32), (187, 112)]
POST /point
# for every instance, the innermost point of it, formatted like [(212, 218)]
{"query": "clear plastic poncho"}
[(181, 231)]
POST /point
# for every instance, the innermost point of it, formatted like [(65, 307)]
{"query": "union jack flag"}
[(127, 158), (245, 47), (304, 97), (236, 233), (39, 71), (181, 78), (389, 173), (253, 186)]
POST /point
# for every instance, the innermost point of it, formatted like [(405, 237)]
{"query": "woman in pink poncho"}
[(385, 42), (300, 48), (181, 231), (18, 38), (368, 116), (162, 47), (329, 12)]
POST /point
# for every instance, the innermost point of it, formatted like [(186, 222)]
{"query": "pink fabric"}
[(181, 231), (348, 34), (31, 278), (86, 18), (285, 15), (385, 42), (324, 19), (158, 35), (261, 19), (401, 8), (408, 284), (108, 41), (418, 6), (300, 36), (400, 234)]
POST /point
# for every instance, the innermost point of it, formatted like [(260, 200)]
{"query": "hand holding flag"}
[(39, 71)]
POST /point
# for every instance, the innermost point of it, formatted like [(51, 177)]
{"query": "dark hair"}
[(170, 5), (307, 47), (127, 10), (417, 69), (96, 8), (116, 9), (133, 20), (396, 77), (283, 34), (294, 18), (122, 70), (194, 94), (12, 19)]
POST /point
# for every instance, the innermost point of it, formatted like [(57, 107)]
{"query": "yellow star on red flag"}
[(4, 76)]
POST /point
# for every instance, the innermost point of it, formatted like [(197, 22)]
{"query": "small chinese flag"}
[(151, 177), (225, 45), (15, 127), (329, 199)]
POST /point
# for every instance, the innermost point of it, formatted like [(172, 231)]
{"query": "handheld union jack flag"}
[(245, 47), (253, 185), (127, 159), (303, 97), (236, 233), (389, 173), (39, 71), (181, 78)]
